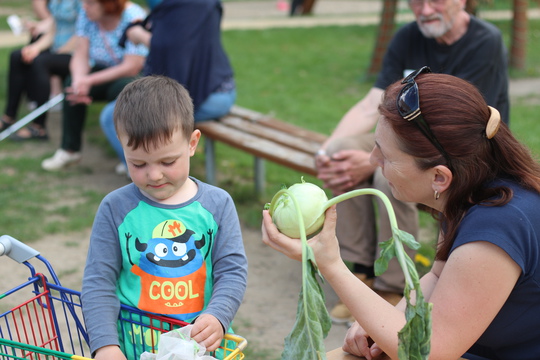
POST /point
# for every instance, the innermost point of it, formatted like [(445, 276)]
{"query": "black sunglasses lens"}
[(408, 100)]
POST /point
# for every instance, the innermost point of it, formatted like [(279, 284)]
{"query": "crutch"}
[(31, 116)]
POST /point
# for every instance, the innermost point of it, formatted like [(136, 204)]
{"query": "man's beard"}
[(434, 30)]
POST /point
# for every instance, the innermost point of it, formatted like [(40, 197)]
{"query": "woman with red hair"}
[(439, 144), (100, 68)]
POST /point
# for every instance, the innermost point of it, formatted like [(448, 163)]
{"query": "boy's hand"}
[(207, 330), (110, 352)]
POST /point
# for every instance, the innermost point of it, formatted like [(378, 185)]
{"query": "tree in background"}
[(518, 44)]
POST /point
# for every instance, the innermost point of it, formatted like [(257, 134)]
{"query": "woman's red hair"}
[(457, 115), (113, 7)]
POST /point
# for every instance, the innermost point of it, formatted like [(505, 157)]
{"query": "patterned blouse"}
[(103, 45)]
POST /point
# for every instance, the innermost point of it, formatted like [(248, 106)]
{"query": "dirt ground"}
[(268, 311)]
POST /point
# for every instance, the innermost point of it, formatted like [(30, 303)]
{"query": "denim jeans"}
[(215, 106)]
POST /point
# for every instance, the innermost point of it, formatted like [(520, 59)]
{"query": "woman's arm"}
[(79, 64), (79, 67), (139, 35), (131, 65), (466, 293)]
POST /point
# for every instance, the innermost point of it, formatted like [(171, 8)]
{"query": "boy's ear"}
[(194, 141)]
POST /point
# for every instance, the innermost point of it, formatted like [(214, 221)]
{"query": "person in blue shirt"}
[(438, 143), (194, 56)]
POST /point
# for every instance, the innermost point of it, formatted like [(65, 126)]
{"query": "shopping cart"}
[(48, 323)]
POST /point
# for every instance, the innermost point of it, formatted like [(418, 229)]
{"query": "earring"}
[(436, 195)]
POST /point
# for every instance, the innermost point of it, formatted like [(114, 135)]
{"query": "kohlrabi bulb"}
[(310, 199)]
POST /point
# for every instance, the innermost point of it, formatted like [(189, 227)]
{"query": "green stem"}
[(358, 192), (400, 251), (303, 238)]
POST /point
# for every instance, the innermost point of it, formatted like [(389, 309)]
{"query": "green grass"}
[(303, 76)]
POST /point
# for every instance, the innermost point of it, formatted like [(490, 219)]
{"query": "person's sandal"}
[(5, 124), (35, 134)]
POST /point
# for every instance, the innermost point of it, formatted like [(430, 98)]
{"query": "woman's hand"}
[(78, 92), (358, 342), (325, 244), (207, 330), (110, 352), (29, 53), (276, 240)]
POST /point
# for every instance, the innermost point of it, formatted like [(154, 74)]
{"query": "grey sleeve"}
[(100, 303), (229, 266)]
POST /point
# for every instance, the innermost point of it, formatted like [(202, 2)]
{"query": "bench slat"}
[(292, 158), (271, 122), (288, 139)]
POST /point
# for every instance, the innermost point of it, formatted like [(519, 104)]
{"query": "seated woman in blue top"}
[(484, 187), (31, 68), (194, 56), (100, 69)]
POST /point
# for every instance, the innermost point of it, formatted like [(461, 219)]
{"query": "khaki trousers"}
[(362, 222)]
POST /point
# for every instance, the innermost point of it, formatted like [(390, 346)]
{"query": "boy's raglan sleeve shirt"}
[(229, 261), (104, 260)]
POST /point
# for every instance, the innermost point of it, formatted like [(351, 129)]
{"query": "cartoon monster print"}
[(171, 268)]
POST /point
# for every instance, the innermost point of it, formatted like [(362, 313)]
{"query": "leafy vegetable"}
[(306, 340), (311, 199), (312, 319)]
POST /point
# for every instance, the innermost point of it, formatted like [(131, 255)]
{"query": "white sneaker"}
[(120, 169), (60, 160)]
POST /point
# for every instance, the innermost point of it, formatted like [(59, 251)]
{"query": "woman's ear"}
[(442, 178)]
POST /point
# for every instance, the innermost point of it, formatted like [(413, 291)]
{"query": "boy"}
[(167, 243)]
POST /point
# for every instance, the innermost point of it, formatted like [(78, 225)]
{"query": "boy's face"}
[(162, 172)]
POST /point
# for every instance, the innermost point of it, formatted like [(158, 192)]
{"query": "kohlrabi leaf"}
[(386, 254), (306, 340), (414, 338)]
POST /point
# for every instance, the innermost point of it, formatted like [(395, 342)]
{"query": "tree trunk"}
[(471, 6), (519, 35), (386, 31)]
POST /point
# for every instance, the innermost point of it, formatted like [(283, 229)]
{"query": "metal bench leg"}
[(210, 161), (260, 175)]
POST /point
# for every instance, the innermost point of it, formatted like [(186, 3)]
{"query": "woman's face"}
[(93, 8), (406, 180)]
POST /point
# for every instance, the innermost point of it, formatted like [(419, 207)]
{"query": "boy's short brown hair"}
[(150, 109)]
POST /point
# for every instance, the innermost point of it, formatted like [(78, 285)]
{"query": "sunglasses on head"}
[(408, 105)]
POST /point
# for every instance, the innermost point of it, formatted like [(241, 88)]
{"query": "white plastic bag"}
[(178, 345)]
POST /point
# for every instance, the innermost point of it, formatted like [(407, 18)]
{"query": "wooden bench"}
[(263, 136)]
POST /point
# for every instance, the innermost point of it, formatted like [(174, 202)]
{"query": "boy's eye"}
[(138, 166), (169, 163)]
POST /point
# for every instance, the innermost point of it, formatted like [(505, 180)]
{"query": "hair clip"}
[(494, 122)]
